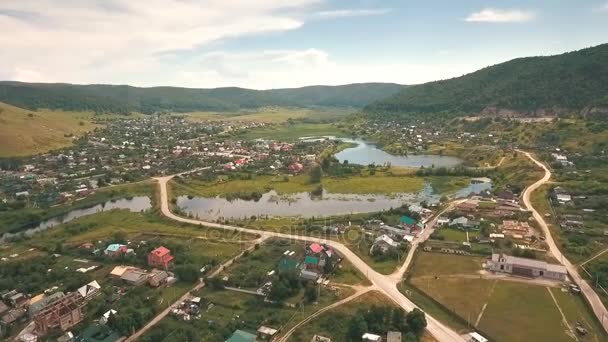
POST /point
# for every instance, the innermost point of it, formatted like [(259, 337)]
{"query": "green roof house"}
[(242, 336), (406, 220), (310, 260)]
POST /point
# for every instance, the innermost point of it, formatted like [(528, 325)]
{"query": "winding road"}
[(592, 298), (383, 283)]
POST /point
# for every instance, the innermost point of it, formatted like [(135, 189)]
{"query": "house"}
[(442, 221), (311, 262), (89, 290), (368, 337), (266, 333), (18, 299), (316, 248), (158, 278), (475, 337), (160, 257), (242, 336), (12, 315), (3, 308), (296, 167), (467, 206), (106, 316), (393, 336), (319, 338), (563, 198), (516, 228), (384, 243), (118, 271), (407, 222), (463, 223), (309, 275), (134, 277), (115, 250), (526, 267), (33, 309)]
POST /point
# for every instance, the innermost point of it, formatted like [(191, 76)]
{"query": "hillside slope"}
[(125, 99), (560, 84), (24, 132)]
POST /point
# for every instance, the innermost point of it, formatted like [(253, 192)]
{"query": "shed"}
[(242, 336)]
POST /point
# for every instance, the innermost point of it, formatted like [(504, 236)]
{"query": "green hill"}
[(125, 99), (560, 84)]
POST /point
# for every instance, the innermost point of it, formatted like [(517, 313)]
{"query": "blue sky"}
[(274, 43)]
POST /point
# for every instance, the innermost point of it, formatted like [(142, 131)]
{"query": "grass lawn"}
[(451, 234), (519, 312), (25, 132), (377, 184), (436, 264), (463, 297), (346, 273)]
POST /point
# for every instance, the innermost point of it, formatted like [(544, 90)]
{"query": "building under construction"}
[(67, 311), (63, 313)]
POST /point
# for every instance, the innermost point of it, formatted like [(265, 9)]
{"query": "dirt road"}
[(592, 298)]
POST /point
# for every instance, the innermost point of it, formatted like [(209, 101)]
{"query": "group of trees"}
[(381, 319)]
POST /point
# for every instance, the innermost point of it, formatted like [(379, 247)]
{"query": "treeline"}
[(381, 319), (123, 99), (453, 171), (571, 81)]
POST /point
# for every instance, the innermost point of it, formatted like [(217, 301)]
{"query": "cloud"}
[(264, 69), (101, 40), (604, 8), (494, 15), (344, 13)]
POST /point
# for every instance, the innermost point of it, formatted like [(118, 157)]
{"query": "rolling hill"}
[(570, 83), (125, 99), (24, 132)]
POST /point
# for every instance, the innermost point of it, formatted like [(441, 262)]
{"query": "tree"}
[(311, 293), (416, 321), (356, 328), (316, 174), (187, 273)]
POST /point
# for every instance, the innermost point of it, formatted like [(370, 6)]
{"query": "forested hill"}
[(125, 99), (562, 84)]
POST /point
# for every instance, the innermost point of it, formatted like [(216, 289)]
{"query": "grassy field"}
[(518, 312), (24, 132), (447, 184), (272, 114), (451, 234), (377, 184), (457, 301), (436, 264), (291, 132)]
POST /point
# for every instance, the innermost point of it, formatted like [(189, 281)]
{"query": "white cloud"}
[(494, 15), (343, 13), (95, 40), (266, 69), (604, 7)]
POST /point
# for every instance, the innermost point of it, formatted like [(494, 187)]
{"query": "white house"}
[(526, 267)]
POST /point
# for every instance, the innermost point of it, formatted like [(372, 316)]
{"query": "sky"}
[(264, 44)]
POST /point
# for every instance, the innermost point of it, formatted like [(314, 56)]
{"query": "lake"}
[(135, 204), (365, 153)]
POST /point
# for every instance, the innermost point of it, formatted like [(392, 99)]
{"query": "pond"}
[(365, 153), (304, 205), (135, 204)]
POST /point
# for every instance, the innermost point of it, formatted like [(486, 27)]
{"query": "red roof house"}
[(316, 248), (161, 258)]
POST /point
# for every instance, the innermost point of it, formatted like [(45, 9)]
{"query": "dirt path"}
[(360, 291), (594, 257)]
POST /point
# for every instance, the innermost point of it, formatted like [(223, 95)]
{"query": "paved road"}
[(384, 284), (592, 298)]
